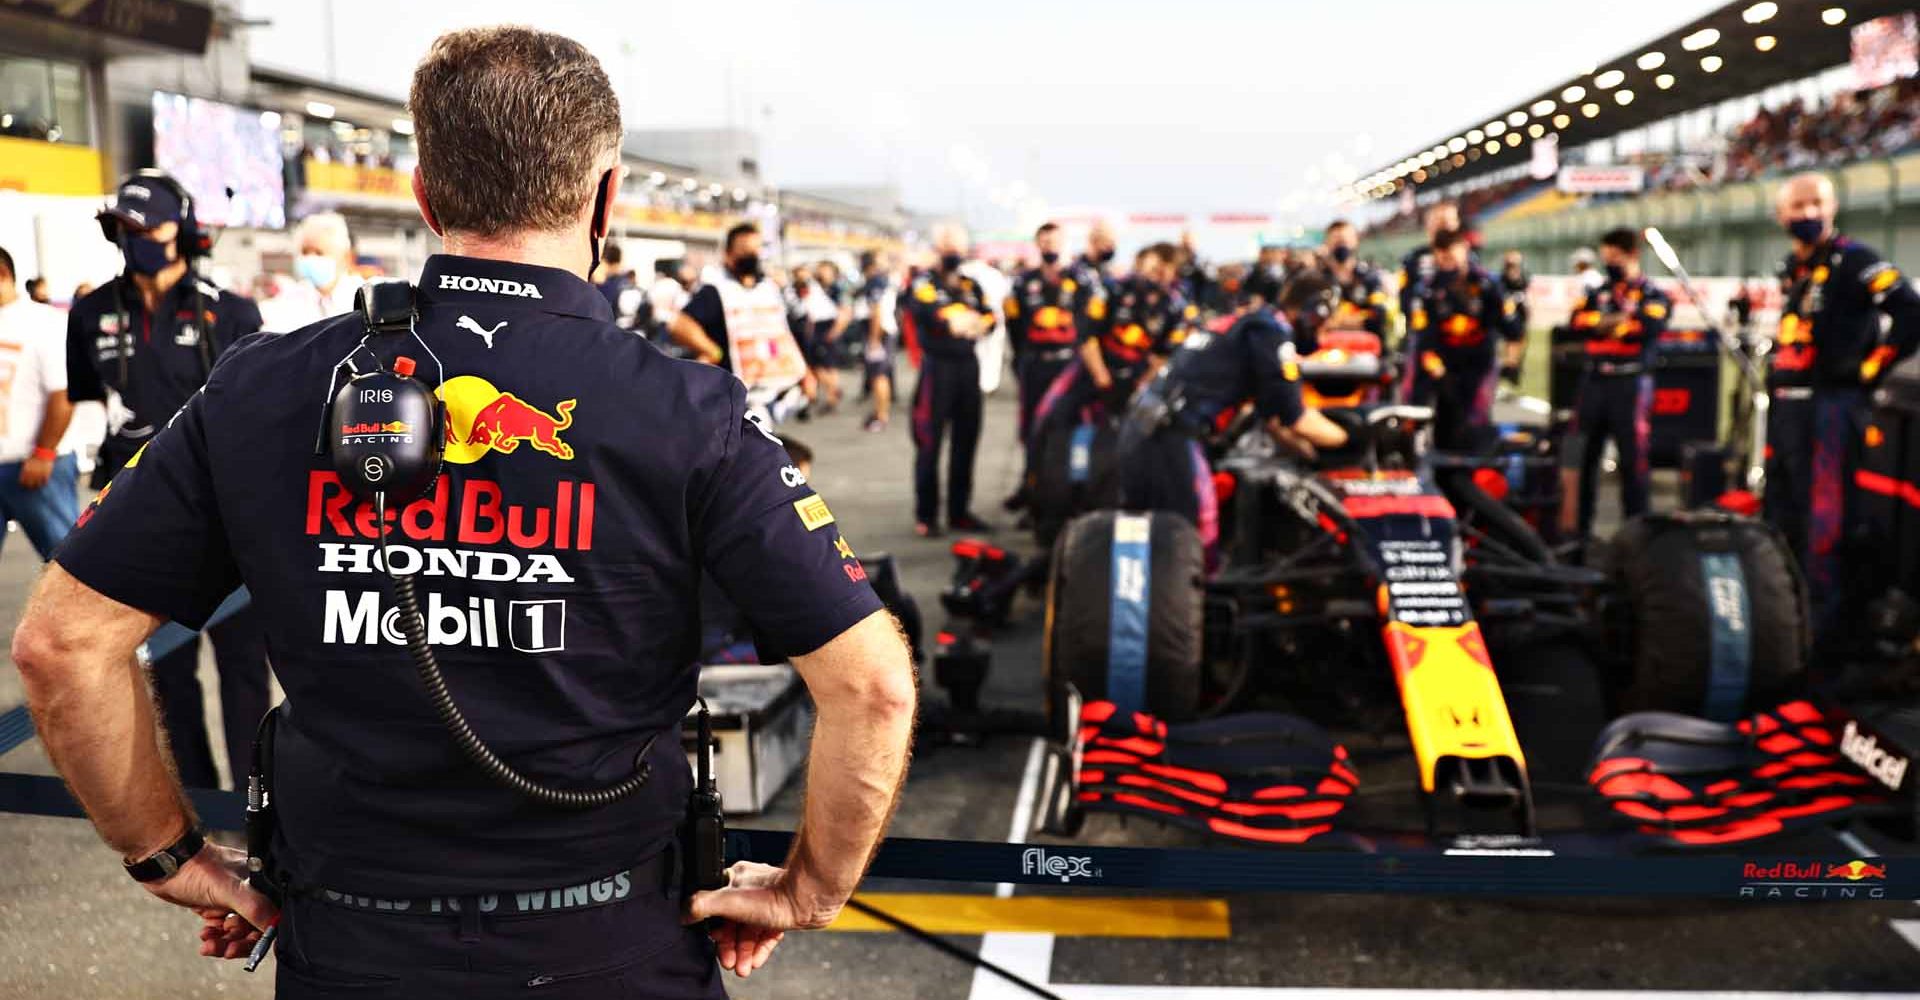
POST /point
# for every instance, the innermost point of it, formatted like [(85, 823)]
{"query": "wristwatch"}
[(169, 859)]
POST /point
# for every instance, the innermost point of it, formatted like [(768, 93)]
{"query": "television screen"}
[(227, 157)]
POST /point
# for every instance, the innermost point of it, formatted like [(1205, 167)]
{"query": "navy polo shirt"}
[(167, 351), (590, 484)]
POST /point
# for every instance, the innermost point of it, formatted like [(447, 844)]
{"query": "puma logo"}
[(467, 323)]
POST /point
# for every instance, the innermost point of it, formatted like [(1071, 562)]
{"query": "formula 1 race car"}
[(1386, 611)]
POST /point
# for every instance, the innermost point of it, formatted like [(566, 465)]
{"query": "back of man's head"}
[(512, 127), (6, 267)]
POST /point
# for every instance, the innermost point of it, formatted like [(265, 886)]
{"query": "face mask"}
[(1616, 274), (1442, 277), (144, 256), (1342, 254), (1807, 231), (315, 270), (1102, 256), (951, 261), (1050, 257), (745, 266)]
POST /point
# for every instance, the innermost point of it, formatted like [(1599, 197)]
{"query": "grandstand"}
[(1694, 127)]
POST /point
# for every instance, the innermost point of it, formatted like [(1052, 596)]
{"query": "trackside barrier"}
[(1543, 867)]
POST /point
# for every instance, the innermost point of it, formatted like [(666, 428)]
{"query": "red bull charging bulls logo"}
[(482, 418)]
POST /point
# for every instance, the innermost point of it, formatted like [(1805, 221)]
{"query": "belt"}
[(1793, 392), (1617, 367), (657, 874), (1057, 354)]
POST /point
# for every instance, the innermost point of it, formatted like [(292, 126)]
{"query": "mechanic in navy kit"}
[(588, 484), (1163, 465), (1458, 321), (1830, 353), (1621, 322), (151, 335)]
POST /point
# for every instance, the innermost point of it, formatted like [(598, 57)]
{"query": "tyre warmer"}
[(1258, 778), (1694, 783)]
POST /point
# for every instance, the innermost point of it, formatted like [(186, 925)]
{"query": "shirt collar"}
[(451, 278)]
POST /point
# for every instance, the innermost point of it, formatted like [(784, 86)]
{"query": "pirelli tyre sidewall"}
[(1664, 622), (1080, 603)]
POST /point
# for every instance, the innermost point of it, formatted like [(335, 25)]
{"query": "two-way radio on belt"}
[(393, 469)]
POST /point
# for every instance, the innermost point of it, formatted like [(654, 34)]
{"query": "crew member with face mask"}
[(1360, 295), (950, 312), (1830, 353), (152, 336), (1041, 321), (1120, 350), (1622, 321), (1457, 316), (740, 322), (324, 282)]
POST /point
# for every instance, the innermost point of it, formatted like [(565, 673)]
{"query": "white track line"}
[(1909, 929), (1022, 824)]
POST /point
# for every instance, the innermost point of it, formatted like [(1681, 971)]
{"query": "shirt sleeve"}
[(774, 547), (83, 381), (1891, 293), (1656, 311), (154, 539)]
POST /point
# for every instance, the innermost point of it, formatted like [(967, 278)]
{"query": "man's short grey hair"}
[(327, 230)]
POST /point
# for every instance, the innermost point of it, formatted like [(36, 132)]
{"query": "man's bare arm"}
[(862, 683), (687, 332), (1096, 363), (96, 717), (95, 713)]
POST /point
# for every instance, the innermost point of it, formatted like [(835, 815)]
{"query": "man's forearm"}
[(688, 334), (1095, 361), (95, 715), (855, 768), (54, 419)]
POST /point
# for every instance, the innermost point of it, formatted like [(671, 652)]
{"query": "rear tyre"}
[(1665, 619), (1056, 497), (1077, 643)]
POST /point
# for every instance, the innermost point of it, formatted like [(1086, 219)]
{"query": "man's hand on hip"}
[(752, 914), (214, 885)]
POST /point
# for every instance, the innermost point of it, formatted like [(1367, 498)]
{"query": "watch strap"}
[(169, 859)]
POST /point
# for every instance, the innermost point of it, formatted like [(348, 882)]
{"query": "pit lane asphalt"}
[(71, 925)]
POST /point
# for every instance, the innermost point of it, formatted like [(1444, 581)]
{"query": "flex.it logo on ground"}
[(482, 418), (1036, 861)]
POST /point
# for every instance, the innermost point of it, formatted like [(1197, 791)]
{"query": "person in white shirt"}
[(324, 282), (39, 476), (669, 293)]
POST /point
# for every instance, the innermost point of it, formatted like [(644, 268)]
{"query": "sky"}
[(1192, 106)]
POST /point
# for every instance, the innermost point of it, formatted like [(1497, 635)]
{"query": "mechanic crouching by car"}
[(1829, 355), (1163, 465), (1457, 321), (1622, 321), (599, 482)]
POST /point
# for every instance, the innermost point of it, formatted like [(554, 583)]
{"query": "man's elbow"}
[(37, 650)]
